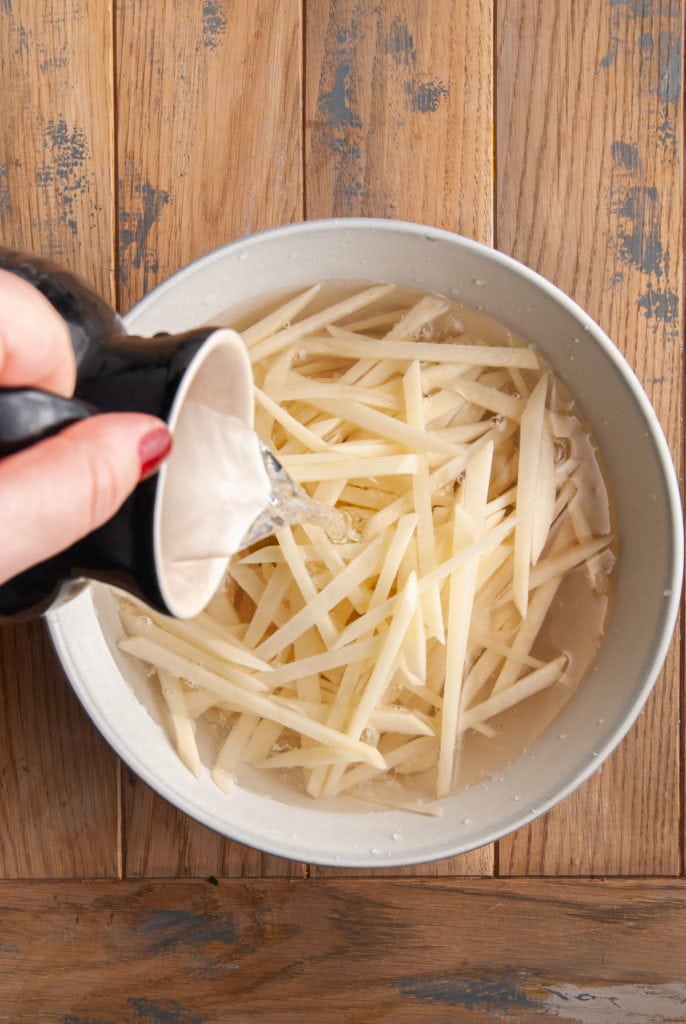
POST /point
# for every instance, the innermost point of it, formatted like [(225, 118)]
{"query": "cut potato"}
[(364, 665)]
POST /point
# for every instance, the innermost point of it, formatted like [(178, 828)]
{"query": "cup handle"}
[(29, 415)]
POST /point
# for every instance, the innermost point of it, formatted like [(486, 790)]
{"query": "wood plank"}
[(349, 951), (398, 116), (589, 148), (209, 149), (163, 842), (209, 129), (59, 799), (398, 111), (56, 170), (59, 796)]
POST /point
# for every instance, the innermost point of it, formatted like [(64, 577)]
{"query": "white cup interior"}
[(261, 812), (219, 377)]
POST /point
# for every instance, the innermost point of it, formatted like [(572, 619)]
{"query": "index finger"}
[(35, 347)]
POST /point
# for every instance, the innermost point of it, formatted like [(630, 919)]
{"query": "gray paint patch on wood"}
[(635, 8), (669, 67), (334, 105), (424, 97), (342, 130), (493, 993), (660, 305), (165, 929), (5, 201), (214, 23), (626, 154), (166, 1011), (63, 174), (7, 6), (134, 230), (399, 44), (638, 235), (610, 1004)]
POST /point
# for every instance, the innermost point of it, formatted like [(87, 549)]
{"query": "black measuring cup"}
[(116, 372)]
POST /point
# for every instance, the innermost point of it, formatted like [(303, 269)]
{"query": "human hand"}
[(61, 489)]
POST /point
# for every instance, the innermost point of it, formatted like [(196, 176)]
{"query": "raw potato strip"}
[(530, 434), (400, 720), (380, 320), (428, 309), (490, 398), (271, 554), (229, 756), (276, 342), (199, 701), (182, 725), (269, 608), (338, 715), (246, 702), (262, 741), (380, 678), (318, 468), (557, 565), (367, 448), (371, 371), (306, 437), (386, 426), (297, 389), (247, 579), (201, 631), (421, 489), (361, 567), (468, 526), (276, 320), (310, 757), (190, 651), (328, 553), (394, 758), (323, 621), (539, 606), (526, 687), (413, 662), (318, 663), (544, 502), (348, 345), (222, 610), (426, 550), (376, 615), (489, 641)]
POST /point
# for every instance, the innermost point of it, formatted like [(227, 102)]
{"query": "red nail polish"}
[(153, 448)]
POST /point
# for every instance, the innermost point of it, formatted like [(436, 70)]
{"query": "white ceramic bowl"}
[(263, 814)]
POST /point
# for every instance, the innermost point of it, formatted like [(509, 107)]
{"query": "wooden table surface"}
[(138, 134)]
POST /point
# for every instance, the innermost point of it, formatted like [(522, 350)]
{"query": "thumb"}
[(56, 492)]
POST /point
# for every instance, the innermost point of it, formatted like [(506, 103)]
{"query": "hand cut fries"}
[(363, 667)]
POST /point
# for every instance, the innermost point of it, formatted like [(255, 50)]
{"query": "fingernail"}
[(153, 448)]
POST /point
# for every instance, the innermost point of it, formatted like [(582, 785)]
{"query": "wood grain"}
[(59, 797), (398, 115), (398, 112), (56, 167), (209, 129), (589, 146), (208, 149), (163, 842), (351, 951), (58, 780)]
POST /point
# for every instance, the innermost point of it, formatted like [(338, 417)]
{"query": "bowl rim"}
[(293, 850)]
